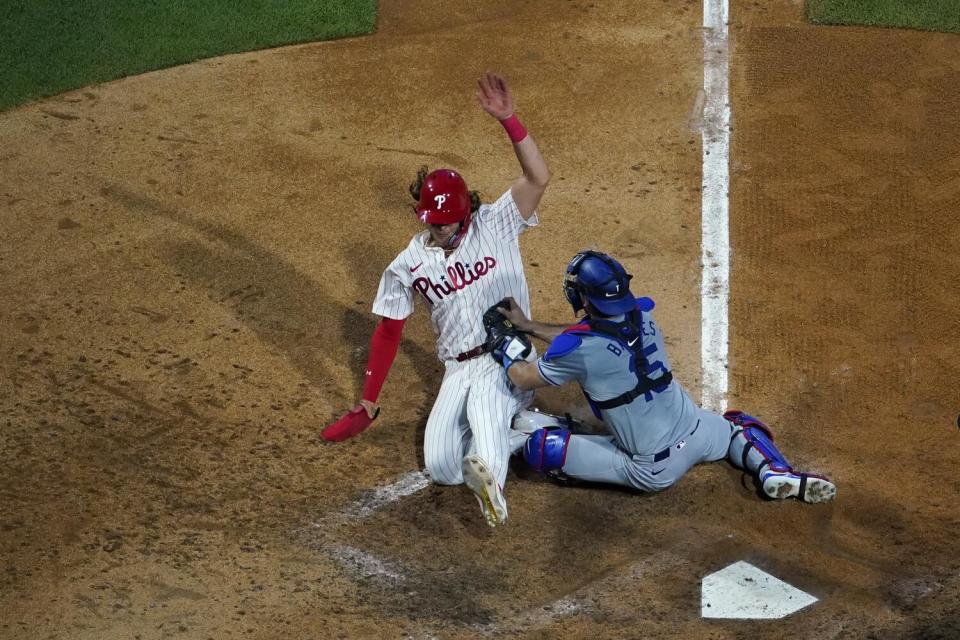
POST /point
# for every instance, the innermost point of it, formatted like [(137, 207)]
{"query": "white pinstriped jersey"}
[(483, 270)]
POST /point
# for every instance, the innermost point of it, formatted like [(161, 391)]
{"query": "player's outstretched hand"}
[(494, 95), (352, 423)]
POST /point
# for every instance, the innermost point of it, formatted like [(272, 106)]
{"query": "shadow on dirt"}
[(284, 306)]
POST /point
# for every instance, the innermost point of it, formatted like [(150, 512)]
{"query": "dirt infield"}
[(189, 262)]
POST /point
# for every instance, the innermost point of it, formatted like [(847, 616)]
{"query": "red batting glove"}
[(355, 421)]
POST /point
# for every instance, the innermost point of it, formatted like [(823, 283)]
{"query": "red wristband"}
[(514, 129)]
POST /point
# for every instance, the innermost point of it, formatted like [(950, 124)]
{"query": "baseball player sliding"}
[(466, 260), (617, 355)]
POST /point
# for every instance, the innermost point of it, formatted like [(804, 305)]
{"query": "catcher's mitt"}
[(504, 341)]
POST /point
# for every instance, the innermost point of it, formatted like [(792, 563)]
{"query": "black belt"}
[(473, 353), (663, 455)]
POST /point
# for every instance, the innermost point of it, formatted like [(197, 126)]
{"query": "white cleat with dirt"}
[(478, 478)]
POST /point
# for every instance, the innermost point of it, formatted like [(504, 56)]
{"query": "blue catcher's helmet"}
[(603, 280)]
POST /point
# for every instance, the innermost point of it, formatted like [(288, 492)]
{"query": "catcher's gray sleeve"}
[(563, 362)]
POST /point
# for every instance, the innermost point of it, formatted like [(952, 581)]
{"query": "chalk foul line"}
[(715, 225)]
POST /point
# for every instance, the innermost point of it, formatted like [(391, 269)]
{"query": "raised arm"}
[(494, 96)]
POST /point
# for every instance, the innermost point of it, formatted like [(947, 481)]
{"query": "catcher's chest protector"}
[(629, 335)]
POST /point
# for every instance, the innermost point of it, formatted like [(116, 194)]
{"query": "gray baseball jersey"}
[(657, 436)]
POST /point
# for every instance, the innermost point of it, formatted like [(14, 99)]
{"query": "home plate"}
[(743, 591)]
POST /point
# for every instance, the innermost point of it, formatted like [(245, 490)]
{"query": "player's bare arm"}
[(372, 408), (526, 376), (542, 330), (494, 96), (529, 188)]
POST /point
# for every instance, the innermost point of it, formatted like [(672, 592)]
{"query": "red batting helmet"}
[(443, 198)]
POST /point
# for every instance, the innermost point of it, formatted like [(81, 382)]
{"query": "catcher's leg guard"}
[(751, 445), (546, 449), (752, 448)]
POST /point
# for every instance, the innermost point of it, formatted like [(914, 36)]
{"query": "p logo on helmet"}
[(444, 198)]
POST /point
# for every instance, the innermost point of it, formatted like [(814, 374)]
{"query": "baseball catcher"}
[(617, 354)]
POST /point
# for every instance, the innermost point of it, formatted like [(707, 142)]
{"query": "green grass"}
[(929, 15), (50, 46)]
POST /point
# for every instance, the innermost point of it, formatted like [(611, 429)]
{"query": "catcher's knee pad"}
[(529, 420), (750, 434), (742, 419), (546, 449)]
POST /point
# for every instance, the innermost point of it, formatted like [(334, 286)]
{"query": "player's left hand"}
[(494, 96), (504, 341), (352, 423)]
